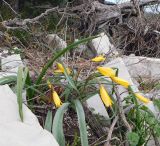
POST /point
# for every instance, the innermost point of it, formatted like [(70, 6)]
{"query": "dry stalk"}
[(109, 137), (121, 111)]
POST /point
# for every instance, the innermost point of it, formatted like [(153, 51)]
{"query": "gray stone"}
[(144, 67), (96, 105), (102, 45), (55, 42), (11, 63)]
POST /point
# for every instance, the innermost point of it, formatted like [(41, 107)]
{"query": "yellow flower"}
[(56, 99), (142, 98), (60, 69), (49, 84), (106, 71), (55, 96), (98, 58), (121, 81), (105, 97)]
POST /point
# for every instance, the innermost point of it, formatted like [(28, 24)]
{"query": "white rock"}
[(17, 133), (11, 63), (10, 66), (55, 42), (144, 67), (97, 105), (5, 74), (102, 45)]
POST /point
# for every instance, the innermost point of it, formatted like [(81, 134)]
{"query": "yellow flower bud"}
[(98, 58), (106, 71), (121, 81), (105, 97), (56, 99), (142, 98), (60, 69)]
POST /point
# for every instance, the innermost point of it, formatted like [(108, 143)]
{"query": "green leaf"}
[(25, 74), (29, 90), (19, 91), (57, 127), (8, 79), (133, 138), (48, 121), (82, 122), (70, 80)]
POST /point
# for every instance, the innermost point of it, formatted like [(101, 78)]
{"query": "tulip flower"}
[(121, 81), (105, 97), (142, 98), (106, 71), (55, 96), (60, 69), (99, 58), (56, 99)]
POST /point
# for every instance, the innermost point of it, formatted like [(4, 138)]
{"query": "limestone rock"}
[(144, 67), (11, 63), (55, 42), (17, 133), (102, 45), (97, 105)]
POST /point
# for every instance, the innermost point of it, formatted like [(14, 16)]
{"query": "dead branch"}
[(121, 111), (93, 14), (110, 131), (18, 23), (113, 125)]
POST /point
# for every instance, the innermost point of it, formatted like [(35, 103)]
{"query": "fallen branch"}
[(19, 23), (93, 14)]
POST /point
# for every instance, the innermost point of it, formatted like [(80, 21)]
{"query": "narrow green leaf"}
[(29, 90), (8, 79), (48, 121), (70, 80), (82, 123), (25, 74), (57, 127), (19, 91)]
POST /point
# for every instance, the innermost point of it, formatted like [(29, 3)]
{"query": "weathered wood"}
[(94, 13)]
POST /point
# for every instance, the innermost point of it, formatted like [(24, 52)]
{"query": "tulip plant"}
[(74, 91)]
